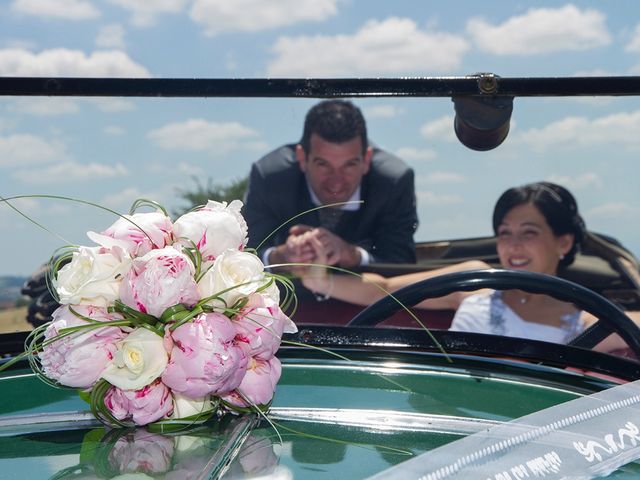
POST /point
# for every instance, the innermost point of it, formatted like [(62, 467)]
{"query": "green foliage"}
[(219, 192), (22, 302)]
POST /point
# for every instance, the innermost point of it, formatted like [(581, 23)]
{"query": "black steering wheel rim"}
[(611, 317)]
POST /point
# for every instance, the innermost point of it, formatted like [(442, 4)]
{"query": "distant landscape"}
[(10, 290), (13, 310)]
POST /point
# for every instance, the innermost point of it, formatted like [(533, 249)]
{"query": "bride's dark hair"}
[(556, 204)]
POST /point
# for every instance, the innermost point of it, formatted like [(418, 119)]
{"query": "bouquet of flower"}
[(164, 322), (140, 454)]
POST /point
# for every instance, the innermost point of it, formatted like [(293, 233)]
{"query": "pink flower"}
[(117, 403), (205, 360), (260, 326), (142, 452), (137, 234), (257, 457), (258, 384), (78, 360), (213, 229), (158, 280), (143, 406)]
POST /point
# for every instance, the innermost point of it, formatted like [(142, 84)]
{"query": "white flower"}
[(272, 292), (186, 407), (213, 229), (241, 273), (92, 277), (187, 444), (140, 359)]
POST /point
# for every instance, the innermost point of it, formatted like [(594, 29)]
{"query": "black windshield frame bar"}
[(318, 87)]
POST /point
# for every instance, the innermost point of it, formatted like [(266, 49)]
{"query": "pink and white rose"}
[(146, 405), (142, 452), (92, 277), (258, 385), (143, 262), (158, 280), (260, 327), (137, 234), (257, 458), (78, 360), (140, 358), (191, 457), (214, 228), (205, 360), (233, 276)]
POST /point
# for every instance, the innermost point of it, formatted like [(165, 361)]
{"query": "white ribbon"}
[(581, 439)]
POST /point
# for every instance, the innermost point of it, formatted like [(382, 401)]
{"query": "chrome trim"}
[(46, 422), (373, 420), (384, 420)]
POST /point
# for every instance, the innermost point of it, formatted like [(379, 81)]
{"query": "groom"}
[(333, 164)]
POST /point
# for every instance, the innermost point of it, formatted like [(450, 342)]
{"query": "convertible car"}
[(364, 392)]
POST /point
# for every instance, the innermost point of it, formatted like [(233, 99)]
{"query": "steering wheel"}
[(610, 317)]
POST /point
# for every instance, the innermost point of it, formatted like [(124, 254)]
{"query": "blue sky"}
[(111, 151)]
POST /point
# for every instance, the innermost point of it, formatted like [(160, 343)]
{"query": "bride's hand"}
[(316, 277)]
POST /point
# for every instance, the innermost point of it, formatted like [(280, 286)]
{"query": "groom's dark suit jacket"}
[(383, 225)]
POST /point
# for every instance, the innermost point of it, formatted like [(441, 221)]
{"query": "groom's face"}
[(334, 170)]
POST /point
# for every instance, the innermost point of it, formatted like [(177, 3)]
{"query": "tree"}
[(225, 192)]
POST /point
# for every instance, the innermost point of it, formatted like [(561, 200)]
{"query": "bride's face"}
[(526, 242)]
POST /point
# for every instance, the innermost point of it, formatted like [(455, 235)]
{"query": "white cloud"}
[(634, 44), (113, 104), (412, 155), (44, 107), (21, 44), (542, 30), (618, 129), (67, 172), (182, 168), (144, 12), (220, 16), (61, 9), (595, 72), (62, 62), (26, 206), (122, 200), (437, 200), (111, 36), (610, 210), (114, 130), (458, 223), (442, 177), (584, 181), (27, 149), (393, 46), (440, 129), (383, 111), (202, 135)]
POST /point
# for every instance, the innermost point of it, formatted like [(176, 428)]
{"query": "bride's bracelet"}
[(327, 295)]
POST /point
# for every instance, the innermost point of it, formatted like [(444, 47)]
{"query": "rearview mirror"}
[(482, 122)]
